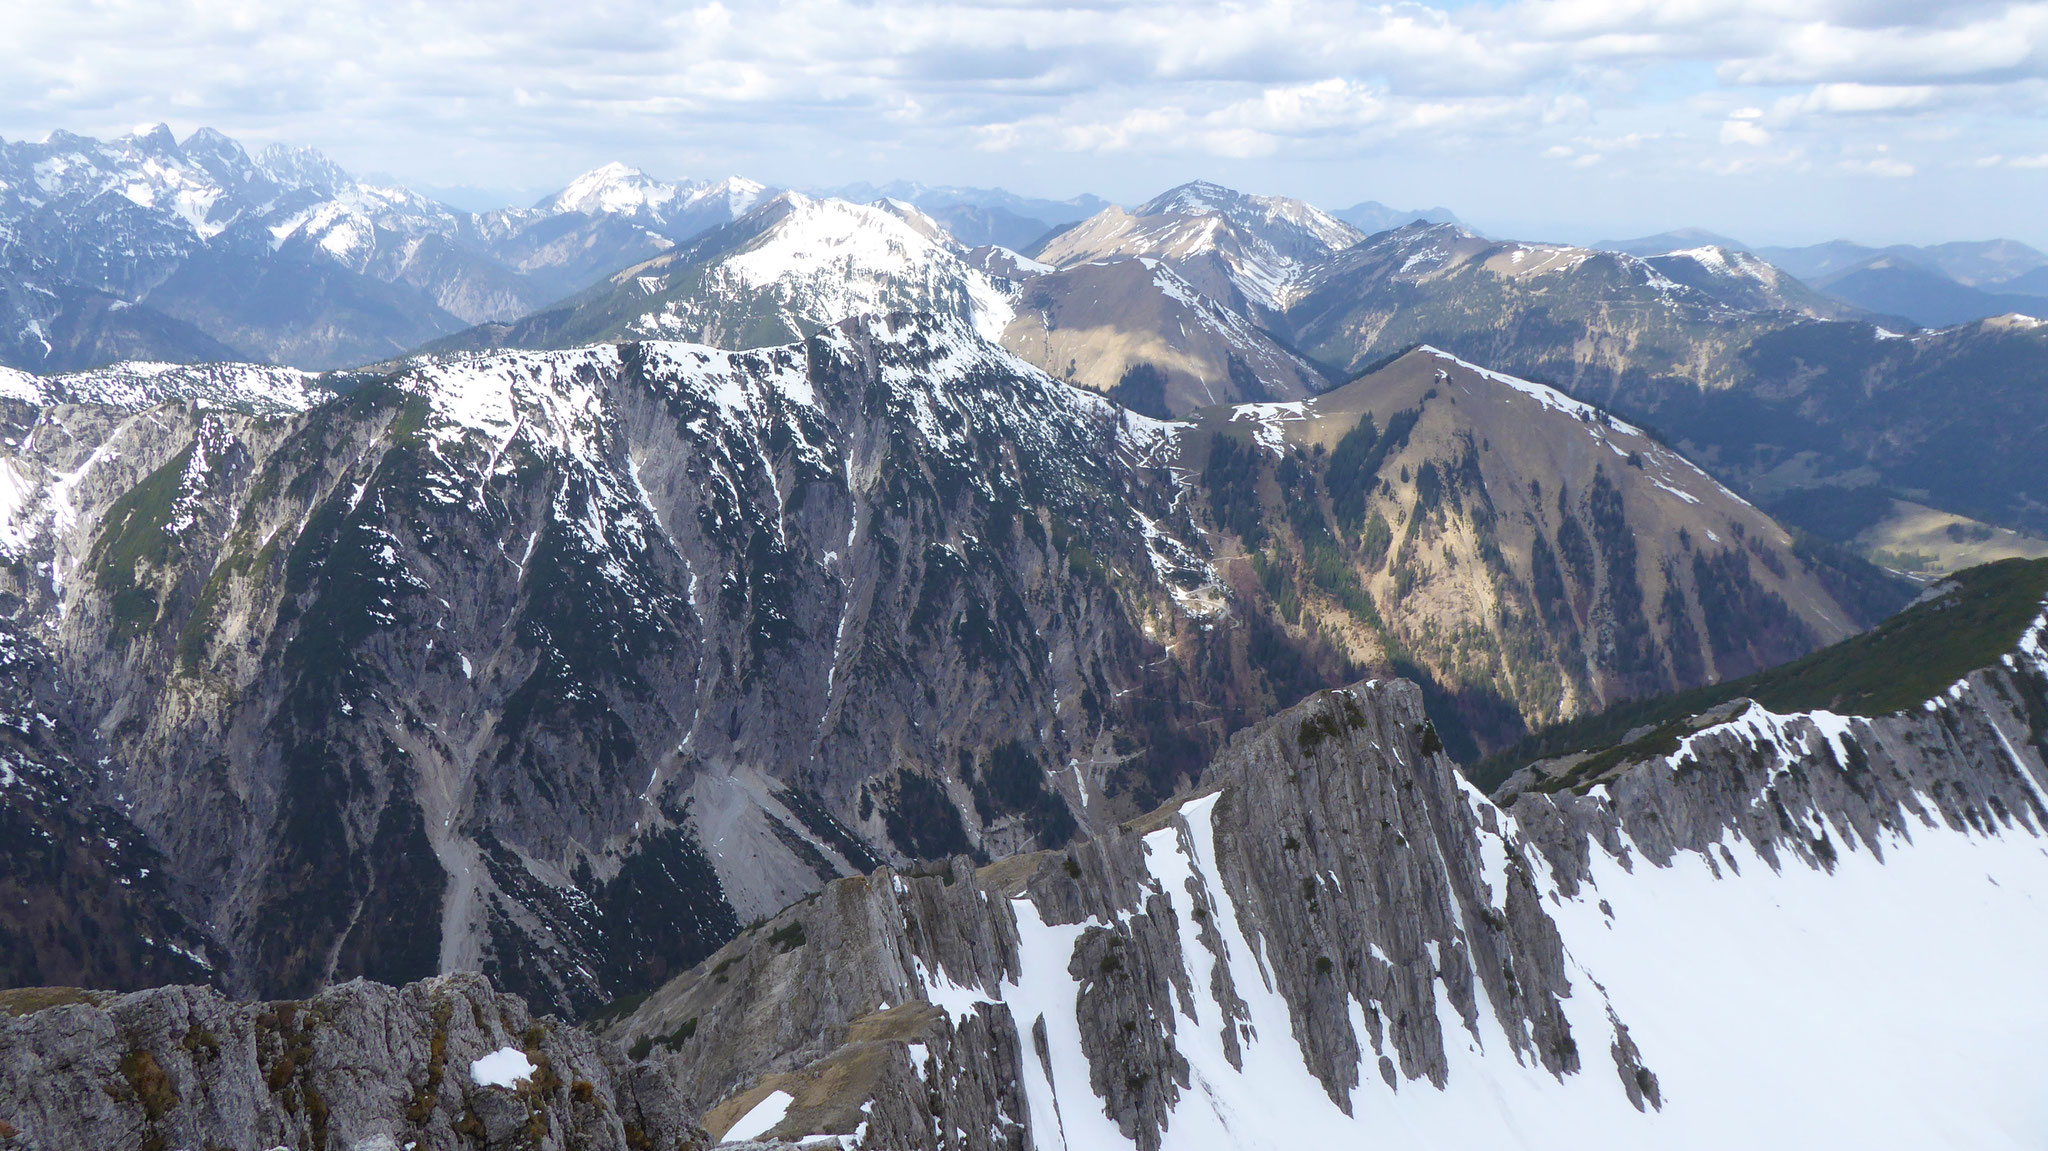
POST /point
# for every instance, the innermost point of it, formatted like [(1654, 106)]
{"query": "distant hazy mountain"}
[(1370, 216), (978, 216), (1550, 311), (1672, 241), (678, 210), (147, 246), (1972, 263), (1741, 280), (1730, 271), (1898, 286), (2034, 283), (1932, 286)]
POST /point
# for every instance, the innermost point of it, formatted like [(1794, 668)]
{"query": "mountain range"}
[(978, 216), (148, 247), (1207, 674), (1936, 286), (1205, 296), (561, 665), (1333, 938)]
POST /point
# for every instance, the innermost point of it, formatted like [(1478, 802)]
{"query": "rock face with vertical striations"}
[(1343, 941)]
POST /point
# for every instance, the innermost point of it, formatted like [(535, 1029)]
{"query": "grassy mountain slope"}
[(1526, 554), (1139, 333), (1968, 622)]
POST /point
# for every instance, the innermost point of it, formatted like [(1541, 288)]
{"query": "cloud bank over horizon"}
[(1787, 121)]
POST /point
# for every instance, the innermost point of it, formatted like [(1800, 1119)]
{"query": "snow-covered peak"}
[(154, 139), (616, 189), (1293, 226), (829, 260), (1731, 262), (1005, 264), (1266, 247), (919, 222), (146, 168), (737, 193), (679, 208), (303, 168), (206, 183)]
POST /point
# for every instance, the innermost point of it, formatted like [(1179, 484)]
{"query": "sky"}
[(1775, 121)]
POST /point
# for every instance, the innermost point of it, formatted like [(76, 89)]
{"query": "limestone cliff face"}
[(561, 666), (1331, 900), (443, 1064), (1342, 940)]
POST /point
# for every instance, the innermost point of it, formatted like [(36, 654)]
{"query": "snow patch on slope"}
[(1543, 394), (761, 1119), (830, 260), (1266, 421), (506, 1067)]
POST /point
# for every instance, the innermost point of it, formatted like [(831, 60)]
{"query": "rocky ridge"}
[(1344, 941), (1334, 939)]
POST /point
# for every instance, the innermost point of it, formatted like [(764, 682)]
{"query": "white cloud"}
[(464, 91), (1742, 130), (1890, 167), (1853, 99)]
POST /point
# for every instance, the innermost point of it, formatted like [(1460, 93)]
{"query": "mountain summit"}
[(1244, 251)]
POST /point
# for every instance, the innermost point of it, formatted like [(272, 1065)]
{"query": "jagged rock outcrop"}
[(1804, 786), (434, 1066), (1336, 877), (1343, 941)]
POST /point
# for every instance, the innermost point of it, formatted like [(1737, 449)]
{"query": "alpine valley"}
[(930, 668)]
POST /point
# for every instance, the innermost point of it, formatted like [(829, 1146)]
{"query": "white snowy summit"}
[(797, 264), (669, 207)]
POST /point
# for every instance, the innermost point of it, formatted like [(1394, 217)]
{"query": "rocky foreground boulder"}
[(441, 1064)]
